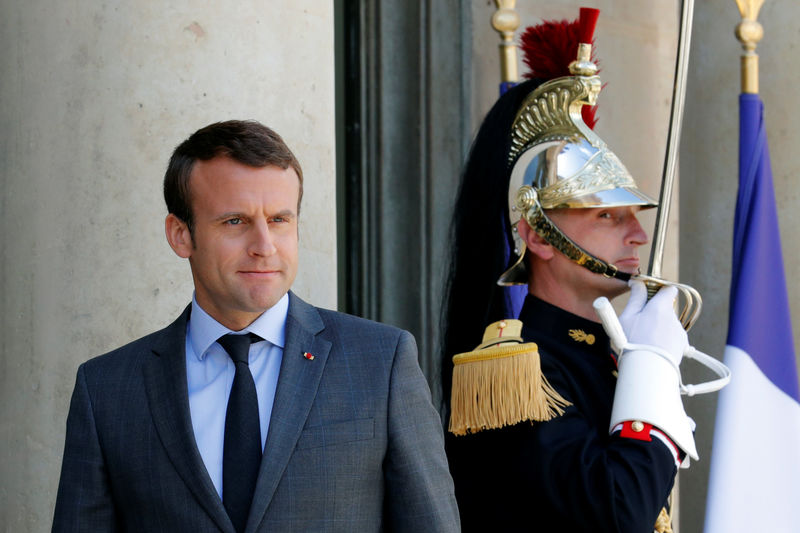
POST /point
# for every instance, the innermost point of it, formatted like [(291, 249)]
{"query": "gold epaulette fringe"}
[(499, 386), (663, 522)]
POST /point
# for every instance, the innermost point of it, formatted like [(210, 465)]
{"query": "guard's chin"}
[(617, 287)]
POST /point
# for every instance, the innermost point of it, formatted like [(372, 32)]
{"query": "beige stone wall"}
[(93, 98)]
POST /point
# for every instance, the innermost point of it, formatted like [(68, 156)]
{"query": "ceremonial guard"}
[(547, 432)]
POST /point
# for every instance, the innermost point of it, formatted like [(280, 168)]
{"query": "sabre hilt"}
[(692, 302), (619, 343)]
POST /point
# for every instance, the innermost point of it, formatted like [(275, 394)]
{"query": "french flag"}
[(754, 483)]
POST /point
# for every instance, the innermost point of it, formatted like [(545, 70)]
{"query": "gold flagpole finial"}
[(749, 32), (506, 21)]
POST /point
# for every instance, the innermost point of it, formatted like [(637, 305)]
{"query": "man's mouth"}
[(259, 273), (628, 264)]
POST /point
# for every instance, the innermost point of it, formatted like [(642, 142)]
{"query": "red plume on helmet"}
[(548, 49)]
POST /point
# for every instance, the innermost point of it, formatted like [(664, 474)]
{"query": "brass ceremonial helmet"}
[(557, 161)]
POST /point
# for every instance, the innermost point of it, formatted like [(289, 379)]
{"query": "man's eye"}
[(605, 214), (234, 221)]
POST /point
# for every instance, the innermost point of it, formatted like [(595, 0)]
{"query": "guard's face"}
[(244, 251), (612, 234)]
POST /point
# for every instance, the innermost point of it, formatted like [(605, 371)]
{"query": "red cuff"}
[(636, 430)]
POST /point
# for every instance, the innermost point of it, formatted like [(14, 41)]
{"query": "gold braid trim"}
[(501, 386), (663, 522)]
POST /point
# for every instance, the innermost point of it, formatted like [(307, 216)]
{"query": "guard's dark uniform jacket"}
[(567, 474)]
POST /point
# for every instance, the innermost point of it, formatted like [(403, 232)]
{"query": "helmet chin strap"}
[(528, 203)]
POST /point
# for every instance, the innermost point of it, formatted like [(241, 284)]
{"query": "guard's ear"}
[(178, 236), (534, 243)]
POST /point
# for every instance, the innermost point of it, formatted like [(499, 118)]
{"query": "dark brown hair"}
[(246, 141)]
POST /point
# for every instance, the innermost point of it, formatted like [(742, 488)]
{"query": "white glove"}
[(652, 343), (654, 323)]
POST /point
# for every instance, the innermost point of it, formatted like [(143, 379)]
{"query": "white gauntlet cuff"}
[(648, 389)]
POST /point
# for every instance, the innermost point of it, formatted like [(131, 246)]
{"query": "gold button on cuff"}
[(637, 426)]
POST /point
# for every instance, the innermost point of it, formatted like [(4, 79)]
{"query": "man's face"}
[(243, 253), (612, 234)]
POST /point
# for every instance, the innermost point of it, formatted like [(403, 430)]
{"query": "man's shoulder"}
[(338, 321), (139, 345), (344, 320), (134, 351), (356, 340), (353, 330), (356, 334)]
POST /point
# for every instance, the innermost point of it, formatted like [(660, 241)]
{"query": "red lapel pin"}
[(308, 356)]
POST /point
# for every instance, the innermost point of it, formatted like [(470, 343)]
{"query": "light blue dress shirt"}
[(210, 371)]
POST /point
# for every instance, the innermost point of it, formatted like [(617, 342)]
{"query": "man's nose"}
[(636, 234), (261, 239)]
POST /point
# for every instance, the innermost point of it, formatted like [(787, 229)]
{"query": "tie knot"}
[(238, 346)]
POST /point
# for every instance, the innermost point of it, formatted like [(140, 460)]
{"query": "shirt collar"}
[(204, 330)]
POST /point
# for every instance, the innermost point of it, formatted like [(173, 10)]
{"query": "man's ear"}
[(178, 236), (534, 242)]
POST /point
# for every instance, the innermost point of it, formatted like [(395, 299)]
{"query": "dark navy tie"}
[(241, 455)]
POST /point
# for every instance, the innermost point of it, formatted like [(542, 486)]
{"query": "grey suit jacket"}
[(354, 443)]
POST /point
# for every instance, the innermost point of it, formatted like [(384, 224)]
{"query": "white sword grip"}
[(608, 317)]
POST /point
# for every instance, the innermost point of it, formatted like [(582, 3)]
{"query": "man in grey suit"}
[(253, 411)]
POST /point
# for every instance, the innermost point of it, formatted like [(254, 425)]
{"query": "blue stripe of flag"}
[(760, 320)]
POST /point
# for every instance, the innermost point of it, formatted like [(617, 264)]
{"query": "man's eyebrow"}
[(232, 214), (287, 213)]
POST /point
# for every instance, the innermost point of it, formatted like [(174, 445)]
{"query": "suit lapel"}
[(168, 397), (297, 387)]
